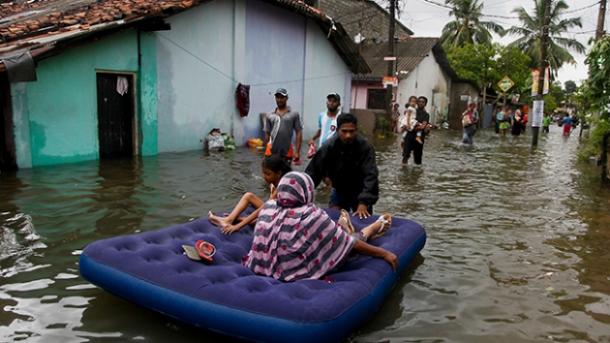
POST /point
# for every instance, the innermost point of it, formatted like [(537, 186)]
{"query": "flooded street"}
[(518, 243)]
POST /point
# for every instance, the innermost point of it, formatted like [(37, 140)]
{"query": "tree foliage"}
[(531, 27), (467, 28), (486, 64), (570, 87), (599, 76), (593, 96)]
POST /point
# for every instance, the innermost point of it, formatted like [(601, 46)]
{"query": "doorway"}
[(8, 160), (116, 115)]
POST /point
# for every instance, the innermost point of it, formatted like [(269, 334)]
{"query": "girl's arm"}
[(371, 250)]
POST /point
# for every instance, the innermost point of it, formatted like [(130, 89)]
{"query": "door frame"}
[(135, 120), (6, 110)]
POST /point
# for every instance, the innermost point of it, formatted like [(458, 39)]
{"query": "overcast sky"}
[(427, 20)]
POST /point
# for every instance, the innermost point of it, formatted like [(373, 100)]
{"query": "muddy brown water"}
[(518, 242)]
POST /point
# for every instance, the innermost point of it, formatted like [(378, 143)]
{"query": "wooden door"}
[(115, 114)]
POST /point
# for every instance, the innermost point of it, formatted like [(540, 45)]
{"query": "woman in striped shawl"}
[(294, 239)]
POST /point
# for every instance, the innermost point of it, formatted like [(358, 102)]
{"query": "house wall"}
[(359, 93), (195, 76), (325, 72), (429, 80), (185, 81), (204, 56), (56, 116)]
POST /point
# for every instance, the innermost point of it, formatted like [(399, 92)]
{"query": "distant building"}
[(422, 69), (141, 77), (364, 20)]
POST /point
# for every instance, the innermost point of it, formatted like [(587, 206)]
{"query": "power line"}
[(511, 17)]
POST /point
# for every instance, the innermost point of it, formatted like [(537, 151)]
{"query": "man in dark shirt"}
[(411, 144), (348, 160)]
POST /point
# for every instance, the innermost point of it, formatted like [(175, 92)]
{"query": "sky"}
[(427, 20)]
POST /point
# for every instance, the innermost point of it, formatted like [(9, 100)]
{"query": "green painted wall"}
[(148, 94), (61, 106)]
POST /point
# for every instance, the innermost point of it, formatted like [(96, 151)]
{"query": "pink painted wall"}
[(359, 94)]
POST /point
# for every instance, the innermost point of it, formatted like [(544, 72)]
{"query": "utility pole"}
[(391, 53), (601, 17), (544, 41)]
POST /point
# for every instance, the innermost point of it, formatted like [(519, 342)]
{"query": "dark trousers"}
[(411, 145)]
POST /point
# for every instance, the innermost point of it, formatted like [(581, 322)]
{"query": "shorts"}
[(289, 155), (504, 125)]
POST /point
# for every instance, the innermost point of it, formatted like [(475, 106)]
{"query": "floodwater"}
[(518, 247)]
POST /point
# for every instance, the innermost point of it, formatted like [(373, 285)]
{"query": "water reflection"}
[(116, 199), (517, 247)]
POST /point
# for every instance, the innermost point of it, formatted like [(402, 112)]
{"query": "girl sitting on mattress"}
[(294, 239), (274, 167)]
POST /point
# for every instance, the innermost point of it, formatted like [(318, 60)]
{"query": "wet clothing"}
[(327, 126), (422, 116), (567, 125), (351, 168), (517, 124), (280, 128), (411, 145), (546, 123), (469, 123), (293, 238)]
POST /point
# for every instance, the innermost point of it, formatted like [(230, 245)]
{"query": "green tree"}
[(531, 27), (467, 28), (554, 98), (593, 96), (599, 82), (486, 64), (570, 87)]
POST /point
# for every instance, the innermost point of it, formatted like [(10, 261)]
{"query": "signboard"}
[(389, 58), (390, 80), (535, 80), (547, 77), (537, 113), (505, 84)]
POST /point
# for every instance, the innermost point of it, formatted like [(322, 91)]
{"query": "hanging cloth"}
[(20, 67), (242, 98), (122, 85)]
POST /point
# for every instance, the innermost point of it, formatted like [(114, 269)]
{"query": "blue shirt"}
[(567, 120)]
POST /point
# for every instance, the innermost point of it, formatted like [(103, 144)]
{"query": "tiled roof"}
[(35, 23), (409, 55), (363, 17), (52, 16)]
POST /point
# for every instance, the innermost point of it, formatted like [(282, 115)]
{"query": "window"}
[(376, 99)]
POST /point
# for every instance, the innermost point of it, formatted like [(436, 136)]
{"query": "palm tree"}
[(530, 32), (467, 28)]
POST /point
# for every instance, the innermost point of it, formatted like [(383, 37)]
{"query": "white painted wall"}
[(425, 80), (217, 44), (325, 72)]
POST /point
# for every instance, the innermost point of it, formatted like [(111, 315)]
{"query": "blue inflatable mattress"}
[(150, 270)]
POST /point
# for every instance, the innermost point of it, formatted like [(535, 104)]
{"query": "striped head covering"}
[(293, 238)]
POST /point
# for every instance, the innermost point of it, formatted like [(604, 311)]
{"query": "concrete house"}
[(95, 79), (422, 69)]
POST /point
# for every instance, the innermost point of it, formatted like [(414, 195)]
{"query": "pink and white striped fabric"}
[(293, 238)]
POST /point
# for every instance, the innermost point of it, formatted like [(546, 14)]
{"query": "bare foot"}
[(217, 220)]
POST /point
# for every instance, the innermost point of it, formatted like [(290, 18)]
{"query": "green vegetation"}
[(488, 63), (529, 34), (467, 28), (593, 96)]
